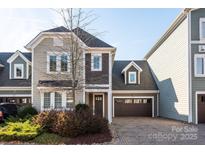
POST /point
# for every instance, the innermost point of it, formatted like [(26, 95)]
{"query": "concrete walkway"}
[(143, 130)]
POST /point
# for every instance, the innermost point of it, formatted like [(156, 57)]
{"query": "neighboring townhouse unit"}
[(177, 62), (111, 88), (15, 77)]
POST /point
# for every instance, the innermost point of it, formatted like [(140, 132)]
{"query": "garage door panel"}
[(133, 107)]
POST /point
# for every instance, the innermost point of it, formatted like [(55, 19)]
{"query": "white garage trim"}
[(15, 95), (113, 102), (94, 94), (196, 104)]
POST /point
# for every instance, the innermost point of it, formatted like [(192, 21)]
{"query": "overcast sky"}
[(132, 31)]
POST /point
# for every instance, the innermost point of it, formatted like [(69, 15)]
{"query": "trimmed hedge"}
[(22, 131), (27, 111), (71, 124)]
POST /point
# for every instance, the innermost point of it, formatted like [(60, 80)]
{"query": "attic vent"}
[(201, 48)]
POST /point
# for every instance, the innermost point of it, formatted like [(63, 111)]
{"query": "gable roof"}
[(147, 81), (15, 55), (179, 19), (4, 72), (87, 38), (132, 63)]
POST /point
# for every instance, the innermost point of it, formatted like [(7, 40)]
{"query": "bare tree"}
[(76, 21)]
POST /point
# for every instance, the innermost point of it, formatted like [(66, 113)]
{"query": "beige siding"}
[(170, 66), (40, 70)]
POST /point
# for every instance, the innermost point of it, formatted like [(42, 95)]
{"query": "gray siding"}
[(97, 77), (40, 69), (198, 83), (169, 63), (15, 92), (19, 60)]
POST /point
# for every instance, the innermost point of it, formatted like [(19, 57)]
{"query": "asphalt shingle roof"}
[(87, 38), (147, 81), (4, 72)]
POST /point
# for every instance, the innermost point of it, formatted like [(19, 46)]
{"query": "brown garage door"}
[(201, 108), (133, 107)]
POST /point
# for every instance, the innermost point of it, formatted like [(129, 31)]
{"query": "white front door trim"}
[(113, 102)]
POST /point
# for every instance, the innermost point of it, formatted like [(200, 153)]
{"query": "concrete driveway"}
[(143, 130)]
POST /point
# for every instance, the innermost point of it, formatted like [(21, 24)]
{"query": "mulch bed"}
[(91, 139)]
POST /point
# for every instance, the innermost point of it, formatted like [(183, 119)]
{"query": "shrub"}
[(27, 111), (48, 138), (46, 120), (22, 131), (81, 107), (71, 124)]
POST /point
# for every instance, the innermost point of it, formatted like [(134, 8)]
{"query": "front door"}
[(201, 108), (98, 105)]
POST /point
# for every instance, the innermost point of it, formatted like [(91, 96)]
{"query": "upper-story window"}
[(18, 71), (57, 42), (64, 63), (132, 78), (53, 63), (57, 62), (199, 65), (96, 62), (202, 28)]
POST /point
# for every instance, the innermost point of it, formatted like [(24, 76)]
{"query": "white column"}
[(64, 99), (52, 100), (42, 100), (110, 106), (110, 90)]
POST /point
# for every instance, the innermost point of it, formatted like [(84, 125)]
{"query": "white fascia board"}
[(135, 91), (33, 43), (15, 95), (15, 55), (15, 88), (132, 63)]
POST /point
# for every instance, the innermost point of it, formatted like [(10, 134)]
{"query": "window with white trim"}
[(47, 100), (58, 62), (202, 28), (132, 79), (199, 65), (64, 63), (69, 99), (57, 42), (58, 100), (18, 71), (52, 63), (96, 62)]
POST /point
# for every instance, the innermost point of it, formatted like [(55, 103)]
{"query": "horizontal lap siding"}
[(169, 63)]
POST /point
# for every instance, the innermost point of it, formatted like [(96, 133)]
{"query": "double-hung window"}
[(132, 78), (64, 63), (202, 28), (96, 62), (58, 62), (52, 63), (18, 71), (199, 65), (58, 100)]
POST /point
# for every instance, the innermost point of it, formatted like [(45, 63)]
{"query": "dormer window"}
[(132, 78), (132, 73), (18, 71), (96, 62)]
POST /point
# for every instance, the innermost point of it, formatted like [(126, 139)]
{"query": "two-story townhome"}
[(177, 62), (111, 88)]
